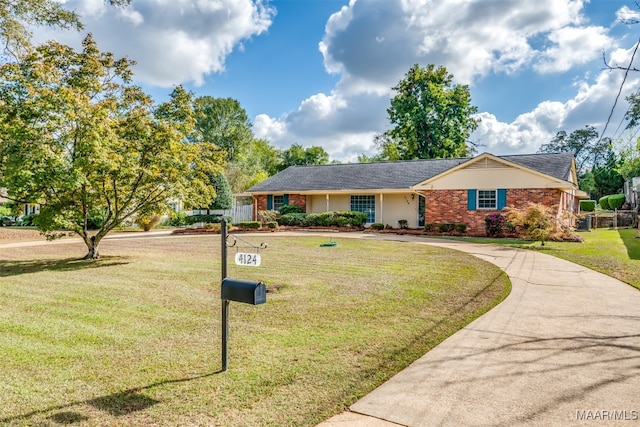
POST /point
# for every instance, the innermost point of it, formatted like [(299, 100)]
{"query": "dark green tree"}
[(432, 117), (606, 178), (588, 150), (297, 155), (224, 197), (224, 122)]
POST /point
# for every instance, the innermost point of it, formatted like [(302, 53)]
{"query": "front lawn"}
[(134, 338)]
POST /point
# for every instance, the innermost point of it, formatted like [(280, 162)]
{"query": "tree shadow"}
[(16, 268), (631, 242), (116, 404)]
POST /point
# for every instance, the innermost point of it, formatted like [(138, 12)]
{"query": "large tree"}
[(79, 139), (589, 150), (433, 117), (224, 122), (297, 155)]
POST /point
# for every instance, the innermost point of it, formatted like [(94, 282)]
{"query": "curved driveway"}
[(562, 349)]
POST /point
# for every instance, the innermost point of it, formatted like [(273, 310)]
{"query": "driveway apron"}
[(562, 349)]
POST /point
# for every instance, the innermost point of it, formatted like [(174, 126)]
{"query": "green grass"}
[(134, 338), (615, 253)]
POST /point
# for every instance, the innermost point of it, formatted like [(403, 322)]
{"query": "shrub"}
[(272, 225), (207, 219), (403, 223), (604, 202), (268, 216), (176, 219), (495, 224), (249, 225), (429, 226), (26, 220), (293, 219), (377, 226), (287, 209), (446, 227), (536, 222), (616, 201), (587, 205), (147, 222), (461, 228)]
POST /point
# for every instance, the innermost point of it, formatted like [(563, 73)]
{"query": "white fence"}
[(238, 213)]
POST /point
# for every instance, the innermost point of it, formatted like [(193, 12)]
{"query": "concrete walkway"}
[(563, 349)]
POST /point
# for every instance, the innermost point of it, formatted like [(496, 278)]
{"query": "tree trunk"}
[(92, 246)]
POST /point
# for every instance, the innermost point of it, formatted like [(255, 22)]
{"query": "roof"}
[(395, 175)]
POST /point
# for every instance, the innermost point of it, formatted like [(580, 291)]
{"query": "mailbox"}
[(247, 291)]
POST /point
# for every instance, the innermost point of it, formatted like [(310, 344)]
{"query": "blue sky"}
[(320, 72)]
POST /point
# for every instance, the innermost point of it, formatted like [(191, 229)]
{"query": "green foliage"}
[(147, 222), (206, 219), (616, 201), (432, 117), (297, 155), (461, 228), (5, 210), (268, 216), (293, 219), (403, 223), (272, 225), (286, 209), (377, 226), (223, 122), (588, 149), (224, 197), (604, 202), (587, 205), (176, 219), (446, 227), (249, 225), (536, 222), (606, 178), (430, 227), (79, 138)]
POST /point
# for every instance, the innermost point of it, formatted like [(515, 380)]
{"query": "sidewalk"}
[(562, 349)]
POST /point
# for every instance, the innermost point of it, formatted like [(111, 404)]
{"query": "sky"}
[(320, 72)]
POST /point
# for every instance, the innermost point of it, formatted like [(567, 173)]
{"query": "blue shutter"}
[(285, 199), (471, 199), (269, 202), (502, 198)]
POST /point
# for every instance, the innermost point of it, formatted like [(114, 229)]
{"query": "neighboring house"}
[(427, 191)]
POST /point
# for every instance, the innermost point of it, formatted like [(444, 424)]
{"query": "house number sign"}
[(248, 260)]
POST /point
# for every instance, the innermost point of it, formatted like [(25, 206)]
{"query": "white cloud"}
[(573, 46), (172, 41)]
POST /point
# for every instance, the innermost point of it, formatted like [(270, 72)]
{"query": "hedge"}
[(616, 201), (324, 219), (587, 205), (604, 202)]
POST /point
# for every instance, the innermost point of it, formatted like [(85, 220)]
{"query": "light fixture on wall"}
[(413, 196)]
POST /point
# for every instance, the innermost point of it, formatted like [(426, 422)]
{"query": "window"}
[(278, 202), (487, 199), (365, 204)]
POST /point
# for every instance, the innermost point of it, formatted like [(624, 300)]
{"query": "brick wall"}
[(451, 206), (260, 203)]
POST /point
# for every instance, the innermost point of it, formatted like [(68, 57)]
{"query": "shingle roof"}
[(394, 175)]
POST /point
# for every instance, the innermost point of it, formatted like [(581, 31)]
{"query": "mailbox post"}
[(246, 291)]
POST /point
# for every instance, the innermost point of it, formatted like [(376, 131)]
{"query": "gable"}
[(488, 171)]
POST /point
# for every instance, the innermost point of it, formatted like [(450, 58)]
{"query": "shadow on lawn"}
[(631, 242), (117, 404), (15, 268)]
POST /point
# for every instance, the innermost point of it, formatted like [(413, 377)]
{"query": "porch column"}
[(381, 209), (327, 199)]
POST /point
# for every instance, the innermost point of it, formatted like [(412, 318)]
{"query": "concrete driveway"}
[(563, 349)]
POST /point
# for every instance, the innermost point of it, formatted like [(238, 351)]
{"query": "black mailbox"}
[(247, 291)]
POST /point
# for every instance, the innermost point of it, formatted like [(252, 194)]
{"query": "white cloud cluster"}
[(371, 44), (172, 41)]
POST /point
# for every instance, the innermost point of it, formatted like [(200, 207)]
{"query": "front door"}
[(420, 211)]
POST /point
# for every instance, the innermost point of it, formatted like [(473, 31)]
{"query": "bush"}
[(495, 224), (429, 226), (249, 225), (287, 209), (604, 202), (461, 228), (616, 201), (536, 222), (207, 219), (176, 219), (26, 220), (147, 222), (272, 225), (268, 216), (377, 226), (446, 227), (403, 223), (293, 219), (587, 205)]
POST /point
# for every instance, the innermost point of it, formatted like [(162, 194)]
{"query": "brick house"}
[(427, 191)]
